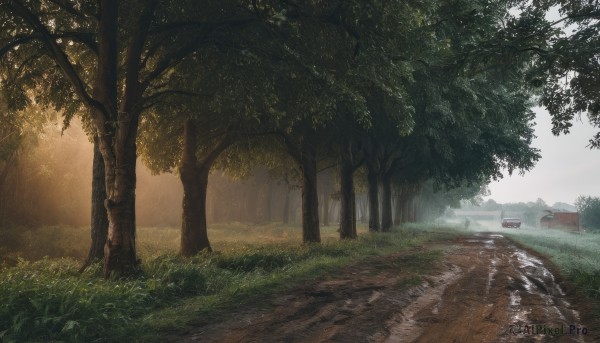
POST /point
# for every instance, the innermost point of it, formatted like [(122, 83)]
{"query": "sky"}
[(566, 170)]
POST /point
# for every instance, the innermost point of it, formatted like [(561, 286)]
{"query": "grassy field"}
[(48, 300), (60, 241)]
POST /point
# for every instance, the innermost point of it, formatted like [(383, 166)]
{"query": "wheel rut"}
[(485, 289)]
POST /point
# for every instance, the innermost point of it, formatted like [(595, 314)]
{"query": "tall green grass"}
[(48, 300)]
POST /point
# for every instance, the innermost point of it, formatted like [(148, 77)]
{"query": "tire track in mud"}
[(486, 290), (503, 294)]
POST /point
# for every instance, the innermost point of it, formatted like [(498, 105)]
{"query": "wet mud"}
[(485, 289), (502, 294)]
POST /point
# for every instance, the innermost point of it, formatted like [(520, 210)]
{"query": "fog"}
[(50, 184), (566, 170)]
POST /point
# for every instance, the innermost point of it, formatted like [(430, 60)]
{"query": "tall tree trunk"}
[(373, 202), (118, 144), (194, 177), (310, 196), (348, 207), (120, 251), (99, 229), (386, 204), (194, 230)]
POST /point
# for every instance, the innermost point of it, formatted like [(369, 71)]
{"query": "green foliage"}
[(589, 212), (567, 71), (48, 300)]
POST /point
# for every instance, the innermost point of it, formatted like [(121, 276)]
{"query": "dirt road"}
[(486, 289)]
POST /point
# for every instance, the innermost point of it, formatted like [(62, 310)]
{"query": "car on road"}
[(511, 222)]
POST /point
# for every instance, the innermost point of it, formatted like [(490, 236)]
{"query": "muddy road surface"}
[(483, 289)]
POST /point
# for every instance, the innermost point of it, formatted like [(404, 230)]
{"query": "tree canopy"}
[(425, 96)]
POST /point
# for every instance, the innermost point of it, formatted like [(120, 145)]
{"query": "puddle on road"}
[(533, 272), (545, 297), (489, 244), (532, 295), (491, 274)]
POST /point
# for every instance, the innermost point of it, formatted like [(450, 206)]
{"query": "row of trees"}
[(418, 95)]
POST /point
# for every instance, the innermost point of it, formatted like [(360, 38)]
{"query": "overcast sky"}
[(566, 170)]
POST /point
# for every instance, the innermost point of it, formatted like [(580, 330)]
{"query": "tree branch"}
[(59, 55), (82, 37), (134, 53), (68, 7), (172, 59), (217, 150)]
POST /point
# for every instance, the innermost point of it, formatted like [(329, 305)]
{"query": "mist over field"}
[(299, 171)]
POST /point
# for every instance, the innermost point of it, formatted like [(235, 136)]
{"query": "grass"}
[(48, 300), (63, 241)]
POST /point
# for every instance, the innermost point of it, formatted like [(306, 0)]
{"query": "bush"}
[(589, 211)]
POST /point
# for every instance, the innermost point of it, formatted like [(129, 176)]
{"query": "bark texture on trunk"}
[(194, 177), (194, 230), (120, 254), (310, 196), (347, 198), (386, 203), (194, 234), (99, 228), (118, 144)]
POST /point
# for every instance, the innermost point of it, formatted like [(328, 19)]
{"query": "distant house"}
[(560, 219)]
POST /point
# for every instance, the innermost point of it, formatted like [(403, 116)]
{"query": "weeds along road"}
[(484, 289)]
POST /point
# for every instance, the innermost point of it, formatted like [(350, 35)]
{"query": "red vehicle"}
[(511, 222)]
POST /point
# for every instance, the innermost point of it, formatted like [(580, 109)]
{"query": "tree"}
[(569, 70), (18, 136), (116, 84), (202, 123), (589, 211)]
